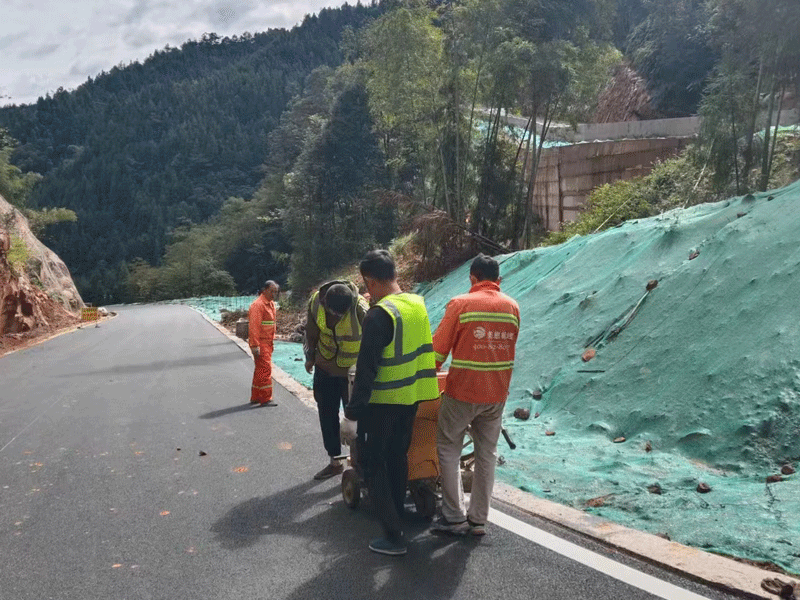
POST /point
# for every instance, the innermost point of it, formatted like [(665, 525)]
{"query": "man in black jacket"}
[(396, 370)]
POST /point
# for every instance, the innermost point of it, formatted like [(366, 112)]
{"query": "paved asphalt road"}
[(104, 494)]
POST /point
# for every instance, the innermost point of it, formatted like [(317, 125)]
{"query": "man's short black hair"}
[(378, 265), (339, 298), (485, 268)]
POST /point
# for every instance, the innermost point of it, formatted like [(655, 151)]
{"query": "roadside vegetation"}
[(18, 254), (15, 188)]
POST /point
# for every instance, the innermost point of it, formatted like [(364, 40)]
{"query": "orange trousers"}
[(261, 391)]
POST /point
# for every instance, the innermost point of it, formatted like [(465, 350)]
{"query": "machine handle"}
[(510, 442)]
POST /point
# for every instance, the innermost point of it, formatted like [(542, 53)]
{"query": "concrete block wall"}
[(655, 128), (567, 175)]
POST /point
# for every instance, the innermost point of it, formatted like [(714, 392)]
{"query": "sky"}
[(48, 44)]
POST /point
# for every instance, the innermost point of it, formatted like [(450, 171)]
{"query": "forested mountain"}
[(285, 154), (149, 146)]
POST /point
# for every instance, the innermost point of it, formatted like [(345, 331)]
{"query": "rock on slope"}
[(37, 294), (625, 99)]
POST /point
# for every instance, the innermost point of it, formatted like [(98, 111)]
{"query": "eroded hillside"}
[(37, 294)]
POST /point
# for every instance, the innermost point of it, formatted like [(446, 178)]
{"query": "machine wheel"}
[(466, 480), (351, 488), (424, 500)]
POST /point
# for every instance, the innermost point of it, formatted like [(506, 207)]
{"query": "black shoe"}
[(388, 546), (330, 471)]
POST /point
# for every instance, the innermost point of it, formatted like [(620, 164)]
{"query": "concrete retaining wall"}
[(656, 128), (567, 175)]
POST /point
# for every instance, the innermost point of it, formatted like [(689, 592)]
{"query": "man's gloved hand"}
[(256, 351), (348, 431), (309, 366)]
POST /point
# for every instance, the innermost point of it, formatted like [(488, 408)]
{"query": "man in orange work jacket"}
[(481, 329), (261, 337)]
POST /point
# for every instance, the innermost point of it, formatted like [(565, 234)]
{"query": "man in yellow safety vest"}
[(331, 343), (396, 370)]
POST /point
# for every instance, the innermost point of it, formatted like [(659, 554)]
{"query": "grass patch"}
[(18, 254)]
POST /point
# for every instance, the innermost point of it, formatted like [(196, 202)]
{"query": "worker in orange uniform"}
[(261, 338), (480, 328)]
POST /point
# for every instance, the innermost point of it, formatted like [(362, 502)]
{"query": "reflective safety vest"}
[(261, 317), (407, 369), (344, 340), (480, 329)]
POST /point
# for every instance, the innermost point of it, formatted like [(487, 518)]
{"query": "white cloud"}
[(39, 52), (10, 39), (47, 44), (77, 69)]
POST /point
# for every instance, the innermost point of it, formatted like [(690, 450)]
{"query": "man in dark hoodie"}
[(331, 343)]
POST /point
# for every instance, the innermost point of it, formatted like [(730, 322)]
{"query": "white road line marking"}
[(607, 566), (24, 429)]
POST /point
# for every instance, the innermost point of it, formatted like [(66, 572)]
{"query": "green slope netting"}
[(212, 306), (289, 357), (707, 370)]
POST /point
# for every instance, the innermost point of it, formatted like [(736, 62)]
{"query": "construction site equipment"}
[(423, 460)]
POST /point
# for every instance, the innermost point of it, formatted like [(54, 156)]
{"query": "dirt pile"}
[(37, 294)]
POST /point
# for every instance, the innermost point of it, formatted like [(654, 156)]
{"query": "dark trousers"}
[(387, 435), (329, 392)]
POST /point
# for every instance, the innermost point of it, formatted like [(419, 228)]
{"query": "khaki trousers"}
[(485, 421)]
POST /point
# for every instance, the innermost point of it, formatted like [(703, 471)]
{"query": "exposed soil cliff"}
[(37, 294)]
